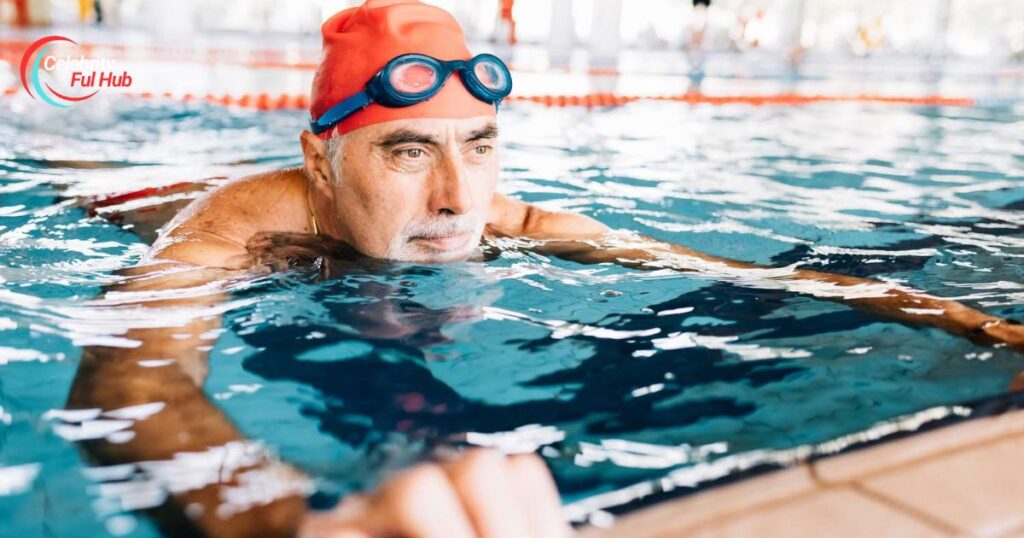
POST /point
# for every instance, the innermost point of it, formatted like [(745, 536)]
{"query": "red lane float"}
[(11, 50), (609, 99), (266, 101)]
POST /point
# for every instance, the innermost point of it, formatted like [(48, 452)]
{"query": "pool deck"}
[(959, 480)]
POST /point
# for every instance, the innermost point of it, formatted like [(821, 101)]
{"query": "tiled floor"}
[(962, 480)]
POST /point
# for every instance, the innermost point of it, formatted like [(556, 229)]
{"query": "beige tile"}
[(669, 518), (846, 467), (824, 513), (978, 490), (949, 487)]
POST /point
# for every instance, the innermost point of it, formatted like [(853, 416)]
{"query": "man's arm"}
[(169, 365), (584, 240)]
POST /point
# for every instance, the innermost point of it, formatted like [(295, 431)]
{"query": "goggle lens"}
[(413, 78), (491, 75)]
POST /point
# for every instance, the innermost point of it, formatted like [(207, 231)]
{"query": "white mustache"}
[(440, 228)]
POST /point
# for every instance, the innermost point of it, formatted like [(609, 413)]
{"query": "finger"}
[(419, 503), (538, 489), (483, 481)]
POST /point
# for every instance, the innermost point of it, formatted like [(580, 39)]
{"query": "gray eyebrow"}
[(487, 131), (405, 136)]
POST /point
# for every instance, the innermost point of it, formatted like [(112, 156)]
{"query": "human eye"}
[(480, 151), (412, 154)]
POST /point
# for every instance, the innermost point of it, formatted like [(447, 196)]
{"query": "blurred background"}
[(875, 45), (969, 28)]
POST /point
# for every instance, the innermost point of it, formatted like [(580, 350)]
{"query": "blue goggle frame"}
[(380, 90)]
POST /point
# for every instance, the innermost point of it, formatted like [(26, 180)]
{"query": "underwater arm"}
[(584, 240), (168, 365)]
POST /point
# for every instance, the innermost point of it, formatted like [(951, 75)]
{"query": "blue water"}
[(349, 377)]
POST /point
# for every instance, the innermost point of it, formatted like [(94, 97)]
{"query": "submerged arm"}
[(168, 365), (584, 240)]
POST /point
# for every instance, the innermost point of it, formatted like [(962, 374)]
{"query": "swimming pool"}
[(622, 376)]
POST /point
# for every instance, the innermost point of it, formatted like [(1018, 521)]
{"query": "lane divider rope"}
[(302, 59), (266, 101)]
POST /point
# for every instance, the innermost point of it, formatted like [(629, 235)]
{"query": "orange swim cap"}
[(359, 41)]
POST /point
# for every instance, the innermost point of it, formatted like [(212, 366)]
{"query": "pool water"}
[(618, 376)]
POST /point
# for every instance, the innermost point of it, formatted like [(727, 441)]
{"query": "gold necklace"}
[(311, 212)]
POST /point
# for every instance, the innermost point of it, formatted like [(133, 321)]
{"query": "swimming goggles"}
[(413, 78)]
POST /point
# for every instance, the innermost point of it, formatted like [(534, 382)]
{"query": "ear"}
[(315, 161)]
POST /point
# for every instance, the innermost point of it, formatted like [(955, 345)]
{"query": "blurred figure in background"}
[(505, 27), (699, 24), (30, 13), (21, 12), (695, 53)]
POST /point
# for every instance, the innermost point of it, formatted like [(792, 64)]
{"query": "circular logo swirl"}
[(30, 66)]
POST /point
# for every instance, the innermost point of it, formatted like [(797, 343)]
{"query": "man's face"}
[(416, 190)]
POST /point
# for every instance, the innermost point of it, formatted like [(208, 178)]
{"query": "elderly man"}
[(400, 163)]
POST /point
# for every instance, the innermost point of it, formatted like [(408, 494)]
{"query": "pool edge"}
[(953, 480)]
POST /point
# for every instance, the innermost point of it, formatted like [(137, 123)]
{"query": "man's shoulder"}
[(234, 212), (257, 201), (258, 189), (507, 216), (510, 217)]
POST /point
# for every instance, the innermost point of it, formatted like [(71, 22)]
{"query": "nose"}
[(450, 189)]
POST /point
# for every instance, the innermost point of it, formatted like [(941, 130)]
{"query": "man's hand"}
[(484, 494)]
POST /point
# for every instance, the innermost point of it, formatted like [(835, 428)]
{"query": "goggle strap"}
[(337, 112)]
